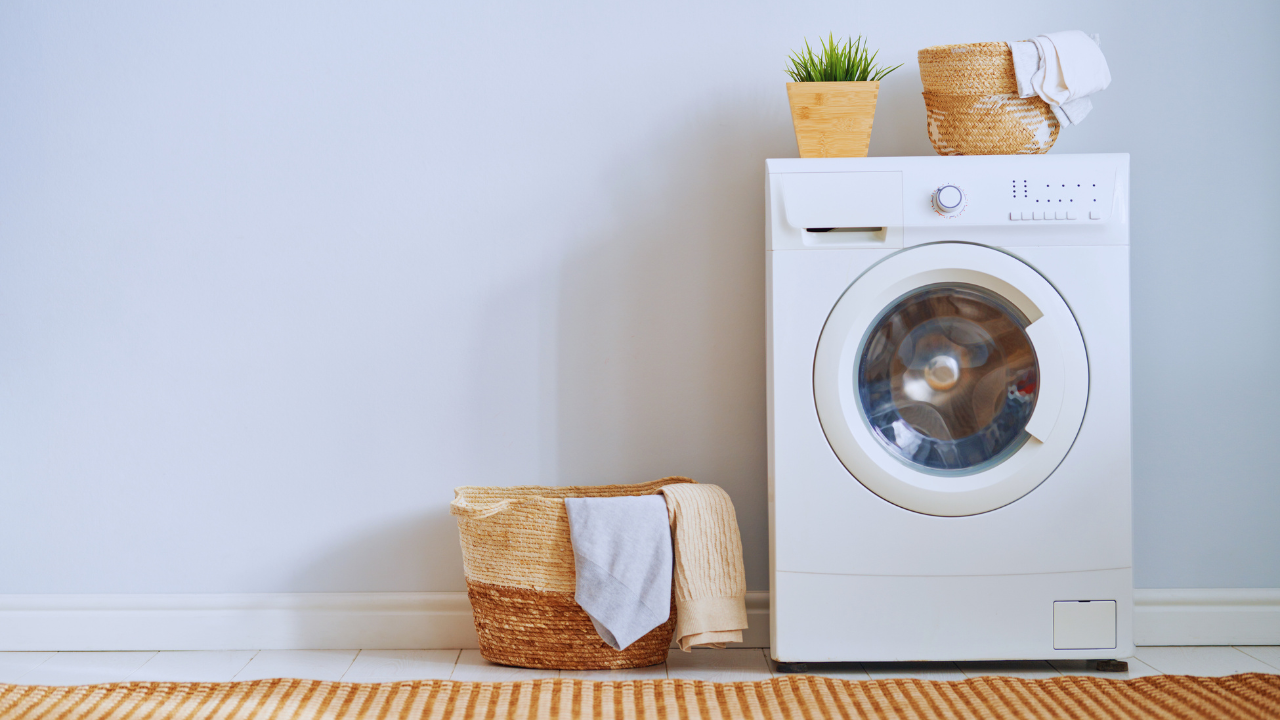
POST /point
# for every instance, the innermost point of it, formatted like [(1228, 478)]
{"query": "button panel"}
[(1054, 215), (1056, 198)]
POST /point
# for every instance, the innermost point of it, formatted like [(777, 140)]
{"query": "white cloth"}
[(1063, 69), (622, 556)]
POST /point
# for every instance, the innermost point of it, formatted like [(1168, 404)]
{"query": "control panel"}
[(1073, 193), (1048, 198), (1001, 200)]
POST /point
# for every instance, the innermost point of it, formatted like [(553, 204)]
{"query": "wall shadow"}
[(661, 317), (376, 560)]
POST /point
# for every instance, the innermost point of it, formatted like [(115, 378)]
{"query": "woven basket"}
[(972, 100), (521, 581)]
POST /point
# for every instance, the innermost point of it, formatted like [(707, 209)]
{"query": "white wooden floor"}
[(77, 668)]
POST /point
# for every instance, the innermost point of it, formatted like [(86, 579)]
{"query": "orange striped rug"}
[(802, 696)]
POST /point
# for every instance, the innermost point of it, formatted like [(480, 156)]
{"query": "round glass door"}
[(947, 379), (950, 379)]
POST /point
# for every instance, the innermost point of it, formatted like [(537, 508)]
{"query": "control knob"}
[(949, 200)]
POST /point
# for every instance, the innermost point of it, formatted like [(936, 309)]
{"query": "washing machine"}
[(948, 408)]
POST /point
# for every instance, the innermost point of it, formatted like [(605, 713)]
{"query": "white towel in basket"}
[(1063, 69), (622, 557)]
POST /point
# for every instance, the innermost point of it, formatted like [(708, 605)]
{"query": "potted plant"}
[(833, 98)]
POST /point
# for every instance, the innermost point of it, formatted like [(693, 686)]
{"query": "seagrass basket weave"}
[(972, 101), (520, 578)]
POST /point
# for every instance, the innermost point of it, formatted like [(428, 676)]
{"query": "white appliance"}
[(948, 408)]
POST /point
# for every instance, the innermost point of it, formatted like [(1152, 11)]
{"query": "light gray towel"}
[(622, 555)]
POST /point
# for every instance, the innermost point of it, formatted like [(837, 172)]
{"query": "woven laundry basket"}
[(972, 100), (521, 581)]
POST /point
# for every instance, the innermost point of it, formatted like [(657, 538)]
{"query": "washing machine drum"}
[(947, 378), (951, 379)]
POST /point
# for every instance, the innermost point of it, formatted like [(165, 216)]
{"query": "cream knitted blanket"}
[(710, 581)]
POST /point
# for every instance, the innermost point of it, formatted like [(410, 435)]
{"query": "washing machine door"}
[(951, 379)]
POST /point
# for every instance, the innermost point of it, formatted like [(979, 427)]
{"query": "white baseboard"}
[(1207, 616), (286, 621), (268, 621)]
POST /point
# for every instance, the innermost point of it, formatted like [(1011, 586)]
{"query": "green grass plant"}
[(836, 61)]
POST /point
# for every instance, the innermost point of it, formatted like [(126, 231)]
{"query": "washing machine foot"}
[(793, 667), (1112, 666)]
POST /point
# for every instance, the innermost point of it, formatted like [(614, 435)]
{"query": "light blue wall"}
[(275, 277)]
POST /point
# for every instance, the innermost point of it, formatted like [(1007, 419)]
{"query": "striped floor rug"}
[(804, 696)]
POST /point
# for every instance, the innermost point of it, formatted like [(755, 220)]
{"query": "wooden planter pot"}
[(833, 119)]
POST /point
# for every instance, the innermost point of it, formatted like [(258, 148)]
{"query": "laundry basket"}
[(520, 578), (971, 97)]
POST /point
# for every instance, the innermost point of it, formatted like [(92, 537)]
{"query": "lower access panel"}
[(849, 618), (1084, 625)]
